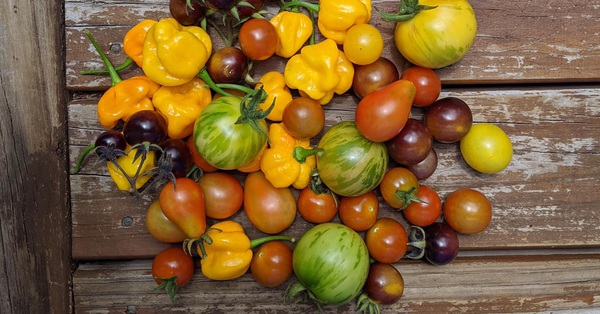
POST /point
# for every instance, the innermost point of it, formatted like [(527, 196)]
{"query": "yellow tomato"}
[(486, 148), (363, 44)]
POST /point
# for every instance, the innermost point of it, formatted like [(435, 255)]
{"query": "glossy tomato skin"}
[(317, 207), (185, 15), (227, 65), (111, 137), (359, 212), (467, 211), (173, 262), (427, 83), (303, 118), (223, 194), (258, 39), (160, 227), (426, 213), (441, 244), (448, 119), (363, 44), (381, 114), (145, 126), (197, 159), (385, 284), (412, 144), (439, 37), (425, 168), (183, 203), (370, 77), (180, 155), (271, 264), (486, 148), (270, 209), (386, 240), (397, 183)]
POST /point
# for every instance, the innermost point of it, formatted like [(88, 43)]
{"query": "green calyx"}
[(364, 304), (416, 240), (169, 285), (408, 197), (408, 10), (249, 112), (114, 76), (294, 4)]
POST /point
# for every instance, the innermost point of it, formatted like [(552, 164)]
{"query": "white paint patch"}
[(578, 144)]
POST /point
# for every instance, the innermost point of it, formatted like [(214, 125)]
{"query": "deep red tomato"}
[(223, 194), (270, 209), (258, 39), (386, 240), (317, 207), (412, 144), (427, 83), (426, 213), (399, 187), (271, 264), (360, 212), (467, 211), (381, 114), (172, 269), (160, 227), (183, 204)]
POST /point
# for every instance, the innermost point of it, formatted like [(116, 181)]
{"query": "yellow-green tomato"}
[(486, 148), (363, 44), (437, 37)]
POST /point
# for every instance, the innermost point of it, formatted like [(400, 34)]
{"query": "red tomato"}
[(386, 240), (467, 211), (399, 187), (271, 264), (258, 39), (381, 114), (427, 84), (359, 213), (172, 269), (160, 227), (223, 194), (317, 208), (183, 204), (425, 213), (270, 209)]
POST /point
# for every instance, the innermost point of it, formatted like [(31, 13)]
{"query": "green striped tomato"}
[(332, 262), (350, 165), (223, 143)]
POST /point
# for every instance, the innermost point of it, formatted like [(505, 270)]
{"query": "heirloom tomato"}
[(385, 284), (486, 148), (467, 211), (425, 213), (372, 76), (223, 194), (270, 209), (359, 212), (363, 44), (258, 39), (160, 227), (399, 187), (441, 244), (386, 240), (183, 204), (172, 269), (427, 83), (317, 207), (271, 264)]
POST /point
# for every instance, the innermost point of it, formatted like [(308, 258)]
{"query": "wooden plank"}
[(543, 200), (566, 283), (35, 263)]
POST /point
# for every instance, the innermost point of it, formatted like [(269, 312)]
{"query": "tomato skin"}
[(486, 148), (386, 240), (381, 114), (385, 284), (173, 262), (441, 245), (467, 211), (398, 180), (303, 118), (372, 76), (258, 39), (427, 84), (359, 212), (412, 144), (183, 204), (270, 209), (160, 227), (317, 208), (196, 158), (363, 44), (271, 264), (439, 37), (426, 213), (223, 194)]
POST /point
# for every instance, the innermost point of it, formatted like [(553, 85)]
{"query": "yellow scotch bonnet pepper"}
[(319, 71), (274, 85), (133, 42), (278, 162), (337, 16), (293, 30), (174, 54)]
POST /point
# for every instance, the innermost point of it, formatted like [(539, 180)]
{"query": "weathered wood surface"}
[(35, 263)]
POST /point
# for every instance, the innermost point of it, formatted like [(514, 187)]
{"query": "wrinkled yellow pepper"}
[(181, 105), (293, 30), (274, 85), (131, 167), (174, 54), (319, 71), (133, 42), (278, 162), (336, 17)]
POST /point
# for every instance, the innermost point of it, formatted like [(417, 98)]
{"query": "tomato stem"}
[(121, 67), (256, 242), (170, 285), (203, 75), (82, 157), (408, 10), (311, 7), (114, 76), (416, 239), (300, 153)]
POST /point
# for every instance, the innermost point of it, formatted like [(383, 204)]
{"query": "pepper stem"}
[(114, 76), (121, 67), (256, 242), (300, 153)]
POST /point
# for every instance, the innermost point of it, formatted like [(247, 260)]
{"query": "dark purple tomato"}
[(384, 284), (426, 167), (245, 11), (180, 154), (370, 77), (441, 244), (220, 4), (145, 126), (448, 119), (113, 137), (185, 15), (411, 145), (228, 65)]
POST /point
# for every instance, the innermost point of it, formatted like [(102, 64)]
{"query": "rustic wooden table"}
[(533, 70)]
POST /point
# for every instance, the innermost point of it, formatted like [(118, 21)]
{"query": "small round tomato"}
[(258, 39), (448, 119), (441, 244), (385, 284), (427, 83), (486, 148), (160, 227), (426, 167), (372, 76), (412, 144), (223, 194), (399, 187), (172, 269), (271, 264), (386, 240), (424, 213), (360, 212), (317, 207), (467, 211), (363, 44), (303, 117)]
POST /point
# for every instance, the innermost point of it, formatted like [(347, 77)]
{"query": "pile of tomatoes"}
[(383, 115)]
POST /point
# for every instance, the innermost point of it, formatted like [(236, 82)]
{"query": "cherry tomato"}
[(227, 65), (386, 240), (360, 212), (183, 203), (197, 158), (303, 118), (179, 154), (425, 213), (317, 207), (247, 11), (269, 209), (467, 211), (172, 269), (448, 119), (486, 148), (384, 284), (426, 167), (441, 244), (258, 39), (370, 77), (411, 145), (220, 4), (223, 194), (399, 187), (381, 114), (185, 15), (145, 126), (111, 137), (427, 83), (363, 44), (160, 227), (271, 264)]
